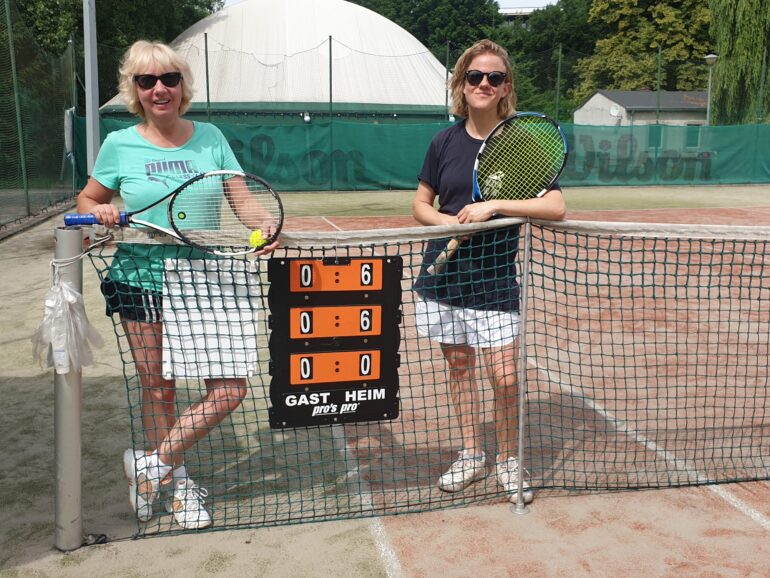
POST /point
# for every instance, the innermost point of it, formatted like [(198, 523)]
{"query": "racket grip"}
[(74, 219), (438, 265)]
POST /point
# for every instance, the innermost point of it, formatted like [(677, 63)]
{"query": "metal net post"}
[(67, 411)]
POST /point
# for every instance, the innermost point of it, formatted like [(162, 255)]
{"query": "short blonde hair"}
[(140, 57), (507, 105)]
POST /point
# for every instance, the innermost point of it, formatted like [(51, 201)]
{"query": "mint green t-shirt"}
[(144, 173)]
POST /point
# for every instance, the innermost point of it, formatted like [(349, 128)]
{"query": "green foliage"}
[(544, 51), (441, 23), (36, 81), (636, 32), (741, 30), (118, 24), (561, 54), (52, 21)]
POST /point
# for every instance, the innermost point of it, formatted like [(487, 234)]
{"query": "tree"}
[(647, 40), (118, 24), (439, 24), (741, 29), (544, 50)]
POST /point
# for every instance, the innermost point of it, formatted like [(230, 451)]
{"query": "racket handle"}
[(438, 265), (74, 219)]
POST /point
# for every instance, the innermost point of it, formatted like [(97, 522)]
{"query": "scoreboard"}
[(334, 338)]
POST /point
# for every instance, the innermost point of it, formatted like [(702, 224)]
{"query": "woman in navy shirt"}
[(472, 307)]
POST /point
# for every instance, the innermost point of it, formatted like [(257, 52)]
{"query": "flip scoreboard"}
[(334, 338)]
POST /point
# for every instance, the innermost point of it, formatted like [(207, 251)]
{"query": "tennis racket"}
[(520, 159), (226, 213)]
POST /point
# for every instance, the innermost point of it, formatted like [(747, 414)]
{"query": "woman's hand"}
[(106, 213), (476, 213), (267, 249)]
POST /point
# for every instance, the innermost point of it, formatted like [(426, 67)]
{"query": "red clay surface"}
[(694, 531)]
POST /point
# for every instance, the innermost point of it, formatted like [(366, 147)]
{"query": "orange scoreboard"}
[(334, 339)]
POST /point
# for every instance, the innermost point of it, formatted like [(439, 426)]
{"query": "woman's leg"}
[(222, 397), (464, 393), (470, 464), (501, 364), (157, 408)]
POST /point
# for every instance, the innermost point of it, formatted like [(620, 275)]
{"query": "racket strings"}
[(521, 159), (227, 211)]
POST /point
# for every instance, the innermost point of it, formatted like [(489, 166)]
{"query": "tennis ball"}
[(256, 239)]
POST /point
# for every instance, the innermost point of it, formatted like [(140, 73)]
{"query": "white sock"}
[(155, 468), (179, 473)]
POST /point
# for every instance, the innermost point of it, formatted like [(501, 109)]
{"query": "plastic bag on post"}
[(64, 339)]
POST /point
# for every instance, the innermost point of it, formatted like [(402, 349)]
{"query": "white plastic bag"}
[(63, 340)]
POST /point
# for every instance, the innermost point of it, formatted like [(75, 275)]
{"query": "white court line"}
[(388, 556), (668, 456), (328, 222)]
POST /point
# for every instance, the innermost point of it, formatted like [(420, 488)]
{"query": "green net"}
[(36, 158), (649, 356), (646, 365)]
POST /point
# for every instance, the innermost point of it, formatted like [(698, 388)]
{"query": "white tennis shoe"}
[(467, 469), (508, 476), (188, 504), (142, 489)]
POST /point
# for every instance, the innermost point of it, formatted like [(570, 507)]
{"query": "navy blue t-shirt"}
[(482, 274)]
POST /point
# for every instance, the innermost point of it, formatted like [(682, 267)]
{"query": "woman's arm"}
[(423, 209), (549, 207), (96, 199)]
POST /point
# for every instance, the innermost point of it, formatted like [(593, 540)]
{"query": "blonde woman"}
[(471, 308), (144, 163)]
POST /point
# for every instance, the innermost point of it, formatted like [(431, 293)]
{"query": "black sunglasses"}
[(495, 78), (170, 79)]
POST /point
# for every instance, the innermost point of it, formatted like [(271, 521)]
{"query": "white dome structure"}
[(270, 55)]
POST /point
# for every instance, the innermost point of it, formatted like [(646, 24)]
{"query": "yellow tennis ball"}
[(256, 239)]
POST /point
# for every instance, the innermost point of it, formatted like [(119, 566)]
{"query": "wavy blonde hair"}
[(507, 105), (140, 57)]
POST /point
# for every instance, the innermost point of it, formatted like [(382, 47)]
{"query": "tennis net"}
[(645, 349)]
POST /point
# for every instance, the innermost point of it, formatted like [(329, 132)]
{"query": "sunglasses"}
[(495, 78), (169, 79)]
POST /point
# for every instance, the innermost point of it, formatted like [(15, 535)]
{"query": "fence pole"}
[(558, 84), (331, 123), (208, 93), (520, 507), (17, 105), (67, 410), (93, 141)]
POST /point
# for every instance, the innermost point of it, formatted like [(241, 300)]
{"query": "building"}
[(642, 107)]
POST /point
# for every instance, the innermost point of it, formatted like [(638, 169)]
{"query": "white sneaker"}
[(188, 505), (508, 476), (142, 489), (467, 469)]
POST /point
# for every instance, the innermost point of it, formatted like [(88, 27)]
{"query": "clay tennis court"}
[(707, 530)]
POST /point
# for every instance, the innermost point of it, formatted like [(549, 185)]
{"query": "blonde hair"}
[(507, 105), (140, 57)]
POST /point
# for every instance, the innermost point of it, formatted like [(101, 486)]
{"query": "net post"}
[(521, 507), (67, 411)]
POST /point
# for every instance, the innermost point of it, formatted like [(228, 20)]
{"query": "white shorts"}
[(456, 326)]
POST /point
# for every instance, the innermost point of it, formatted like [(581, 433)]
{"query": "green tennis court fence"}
[(646, 366), (369, 156), (37, 170)]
